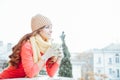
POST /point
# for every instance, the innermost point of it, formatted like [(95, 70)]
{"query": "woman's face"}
[(46, 32)]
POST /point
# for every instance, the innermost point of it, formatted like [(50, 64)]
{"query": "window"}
[(118, 73), (99, 71), (110, 71), (99, 60), (117, 58), (110, 60)]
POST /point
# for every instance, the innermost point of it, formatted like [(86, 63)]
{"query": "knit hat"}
[(39, 21)]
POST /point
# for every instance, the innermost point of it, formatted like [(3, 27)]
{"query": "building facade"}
[(107, 62), (5, 51)]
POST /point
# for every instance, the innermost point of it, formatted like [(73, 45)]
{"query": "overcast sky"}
[(87, 23)]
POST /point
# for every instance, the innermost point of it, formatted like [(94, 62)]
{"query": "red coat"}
[(27, 67)]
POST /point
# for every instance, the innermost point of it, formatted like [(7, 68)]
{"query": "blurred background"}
[(91, 27), (87, 23)]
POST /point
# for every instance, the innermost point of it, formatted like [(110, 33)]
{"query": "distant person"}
[(32, 53)]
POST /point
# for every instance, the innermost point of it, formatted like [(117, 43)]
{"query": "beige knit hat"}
[(39, 21)]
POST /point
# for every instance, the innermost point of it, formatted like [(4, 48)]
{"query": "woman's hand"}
[(49, 53), (52, 52), (60, 56)]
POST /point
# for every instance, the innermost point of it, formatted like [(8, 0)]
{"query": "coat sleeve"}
[(31, 69), (51, 67)]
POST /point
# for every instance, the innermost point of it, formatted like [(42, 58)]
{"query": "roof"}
[(112, 46)]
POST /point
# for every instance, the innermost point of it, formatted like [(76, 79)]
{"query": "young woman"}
[(30, 55)]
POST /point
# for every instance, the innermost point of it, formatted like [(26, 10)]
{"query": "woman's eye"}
[(46, 27)]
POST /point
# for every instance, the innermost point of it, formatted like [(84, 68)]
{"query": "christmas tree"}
[(65, 69)]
